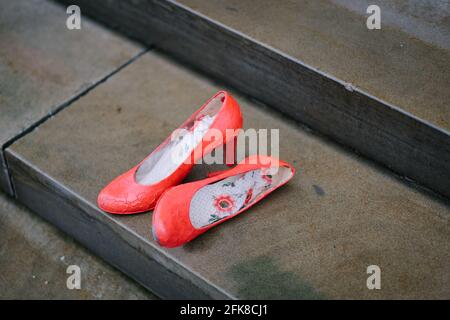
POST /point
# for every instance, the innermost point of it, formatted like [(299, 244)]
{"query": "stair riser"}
[(5, 185)]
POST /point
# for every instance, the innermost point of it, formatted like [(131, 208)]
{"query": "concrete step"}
[(313, 238), (44, 66), (34, 257), (381, 92)]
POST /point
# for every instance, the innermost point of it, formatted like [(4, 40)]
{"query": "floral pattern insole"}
[(226, 197)]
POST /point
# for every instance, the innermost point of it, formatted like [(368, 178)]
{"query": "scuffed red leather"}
[(124, 196)]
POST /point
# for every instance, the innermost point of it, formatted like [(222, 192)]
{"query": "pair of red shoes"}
[(183, 212)]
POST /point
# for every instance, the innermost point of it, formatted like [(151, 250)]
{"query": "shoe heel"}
[(216, 173), (230, 153)]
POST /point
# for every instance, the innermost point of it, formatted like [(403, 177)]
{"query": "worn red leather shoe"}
[(188, 210), (138, 189)]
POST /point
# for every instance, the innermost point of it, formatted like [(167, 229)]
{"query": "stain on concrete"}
[(232, 9), (261, 278), (318, 190)]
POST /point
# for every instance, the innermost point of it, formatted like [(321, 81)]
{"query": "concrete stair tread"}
[(314, 238), (44, 65)]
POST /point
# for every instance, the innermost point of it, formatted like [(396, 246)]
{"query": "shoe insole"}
[(226, 197), (164, 162), (174, 153)]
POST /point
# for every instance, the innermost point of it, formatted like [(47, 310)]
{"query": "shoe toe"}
[(163, 230), (122, 198), (114, 203), (170, 225)]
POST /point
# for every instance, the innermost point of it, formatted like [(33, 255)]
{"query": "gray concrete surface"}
[(427, 20), (392, 64), (34, 257), (43, 64), (314, 238)]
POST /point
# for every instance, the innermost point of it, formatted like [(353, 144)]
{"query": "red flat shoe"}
[(138, 189), (188, 210)]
